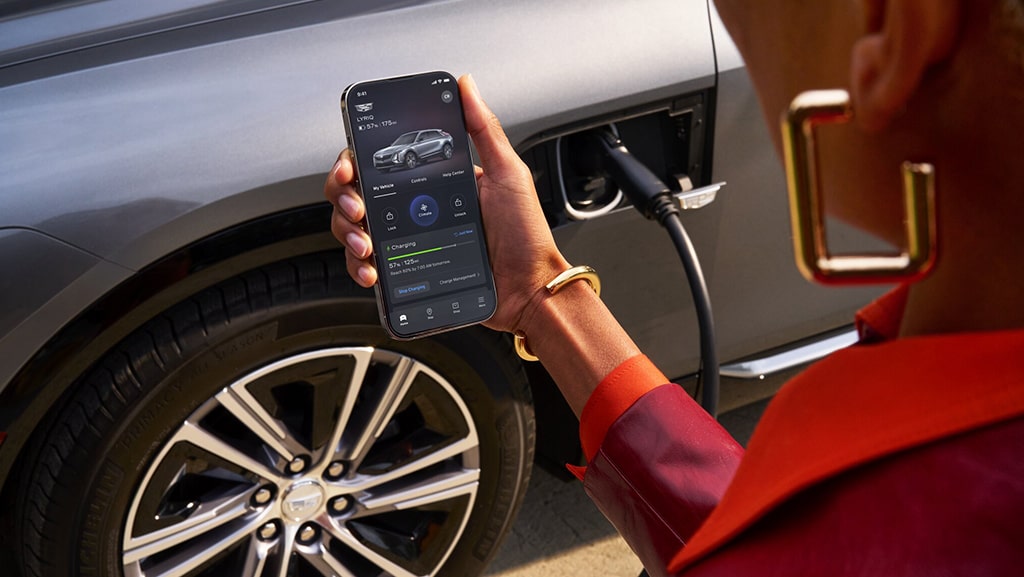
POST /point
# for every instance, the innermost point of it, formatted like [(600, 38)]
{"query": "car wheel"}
[(268, 426), (447, 151), (411, 160)]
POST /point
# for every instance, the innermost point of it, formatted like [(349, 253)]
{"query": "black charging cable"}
[(655, 201)]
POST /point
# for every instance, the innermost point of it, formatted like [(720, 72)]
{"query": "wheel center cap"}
[(302, 500)]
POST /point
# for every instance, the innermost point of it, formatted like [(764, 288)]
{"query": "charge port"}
[(669, 138)]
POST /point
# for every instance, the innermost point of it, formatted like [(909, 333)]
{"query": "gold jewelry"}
[(806, 204), (584, 273)]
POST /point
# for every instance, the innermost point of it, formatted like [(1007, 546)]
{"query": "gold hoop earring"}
[(806, 204)]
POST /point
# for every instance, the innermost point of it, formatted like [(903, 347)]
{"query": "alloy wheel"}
[(342, 461)]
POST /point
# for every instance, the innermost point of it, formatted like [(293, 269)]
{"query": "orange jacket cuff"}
[(615, 394)]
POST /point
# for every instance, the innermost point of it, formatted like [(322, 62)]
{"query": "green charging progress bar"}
[(419, 252)]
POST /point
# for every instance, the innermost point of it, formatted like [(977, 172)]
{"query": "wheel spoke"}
[(384, 407), (206, 518), (364, 483), (433, 490), (345, 536), (239, 402), (191, 557), (362, 357), (256, 558), (284, 556), (326, 564), (203, 439)]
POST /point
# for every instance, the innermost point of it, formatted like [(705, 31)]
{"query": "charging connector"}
[(655, 201), (645, 190)]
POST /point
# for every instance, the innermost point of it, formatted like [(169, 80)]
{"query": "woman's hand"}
[(523, 253), (346, 221)]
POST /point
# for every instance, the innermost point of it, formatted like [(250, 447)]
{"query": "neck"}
[(978, 281)]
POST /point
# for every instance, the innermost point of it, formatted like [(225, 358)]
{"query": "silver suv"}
[(190, 383), (411, 148)]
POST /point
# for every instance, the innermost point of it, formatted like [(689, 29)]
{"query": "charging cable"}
[(655, 201)]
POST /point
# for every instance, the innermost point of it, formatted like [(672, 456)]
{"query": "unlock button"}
[(459, 204)]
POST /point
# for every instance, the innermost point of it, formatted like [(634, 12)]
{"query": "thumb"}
[(485, 129)]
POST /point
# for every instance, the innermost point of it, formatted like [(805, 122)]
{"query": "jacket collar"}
[(861, 404)]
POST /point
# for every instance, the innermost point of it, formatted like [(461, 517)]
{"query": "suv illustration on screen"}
[(410, 148)]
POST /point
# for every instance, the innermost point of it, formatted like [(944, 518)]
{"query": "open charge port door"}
[(671, 139)]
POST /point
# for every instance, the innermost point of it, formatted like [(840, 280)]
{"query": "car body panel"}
[(35, 269), (43, 279), (239, 101)]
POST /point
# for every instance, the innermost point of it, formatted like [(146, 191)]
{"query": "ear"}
[(902, 40)]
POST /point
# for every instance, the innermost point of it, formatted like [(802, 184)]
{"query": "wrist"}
[(577, 339), (550, 312), (555, 265), (576, 273), (545, 306)]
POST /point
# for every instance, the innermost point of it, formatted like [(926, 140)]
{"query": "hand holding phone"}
[(409, 143)]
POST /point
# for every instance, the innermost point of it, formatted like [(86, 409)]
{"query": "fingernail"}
[(334, 172), (365, 274), (349, 206), (471, 84), (356, 244)]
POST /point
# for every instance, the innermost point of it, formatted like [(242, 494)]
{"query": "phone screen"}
[(416, 176)]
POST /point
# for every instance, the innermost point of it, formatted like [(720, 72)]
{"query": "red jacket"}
[(901, 457)]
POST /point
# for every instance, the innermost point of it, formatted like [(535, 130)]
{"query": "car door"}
[(427, 144)]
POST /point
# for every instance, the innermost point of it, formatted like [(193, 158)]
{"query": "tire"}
[(208, 442), (446, 152), (410, 160)]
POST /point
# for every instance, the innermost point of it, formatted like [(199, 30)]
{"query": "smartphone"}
[(415, 174)]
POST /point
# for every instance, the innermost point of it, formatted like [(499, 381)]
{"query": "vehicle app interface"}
[(422, 212)]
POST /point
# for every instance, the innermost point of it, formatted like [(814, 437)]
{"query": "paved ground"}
[(561, 533)]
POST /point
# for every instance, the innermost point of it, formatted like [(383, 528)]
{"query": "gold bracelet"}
[(584, 273)]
